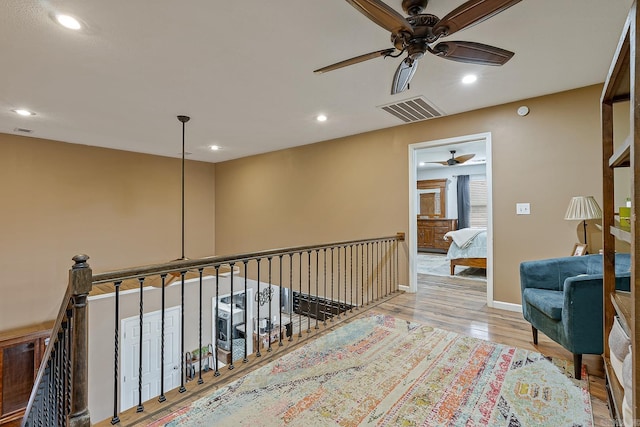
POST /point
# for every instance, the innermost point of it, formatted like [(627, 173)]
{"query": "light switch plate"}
[(523, 208)]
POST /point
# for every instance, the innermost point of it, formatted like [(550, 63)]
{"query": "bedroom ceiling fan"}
[(418, 33), (455, 160)]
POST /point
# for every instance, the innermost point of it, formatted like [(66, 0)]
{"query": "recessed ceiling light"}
[(68, 22), (321, 118), (421, 164), (214, 147), (469, 78), (23, 112)]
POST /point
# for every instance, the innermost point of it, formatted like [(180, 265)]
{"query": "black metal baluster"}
[(374, 269), (68, 363), (230, 338), (246, 329), (140, 407), (280, 304), (217, 267), (290, 303), (37, 418), (269, 311), (61, 399), (116, 344), (324, 316), (388, 258), (332, 284), (58, 359), (182, 388), (257, 298), (396, 287), (357, 270), (378, 271), (374, 272), (338, 291), (362, 280), (309, 292), (48, 415), (351, 276), (163, 278), (300, 301), (345, 281), (200, 380), (383, 267), (369, 276), (317, 296), (54, 386), (63, 365)]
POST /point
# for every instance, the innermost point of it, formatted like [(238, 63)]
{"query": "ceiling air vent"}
[(412, 110), (22, 130)]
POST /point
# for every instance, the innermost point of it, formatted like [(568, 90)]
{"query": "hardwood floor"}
[(457, 305)]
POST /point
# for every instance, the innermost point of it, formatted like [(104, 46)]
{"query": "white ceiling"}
[(243, 70)]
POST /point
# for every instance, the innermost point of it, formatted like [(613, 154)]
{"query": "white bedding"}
[(463, 237), (476, 248)]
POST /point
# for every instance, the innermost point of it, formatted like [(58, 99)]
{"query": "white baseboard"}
[(405, 288), (506, 306)]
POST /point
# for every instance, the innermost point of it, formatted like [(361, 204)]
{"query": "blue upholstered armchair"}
[(562, 297)]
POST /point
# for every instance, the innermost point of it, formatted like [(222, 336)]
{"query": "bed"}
[(468, 248)]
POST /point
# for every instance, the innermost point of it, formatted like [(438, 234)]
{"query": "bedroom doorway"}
[(450, 160)]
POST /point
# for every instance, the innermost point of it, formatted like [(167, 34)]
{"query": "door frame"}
[(413, 212)]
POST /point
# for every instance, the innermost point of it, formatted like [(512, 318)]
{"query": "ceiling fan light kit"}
[(418, 33)]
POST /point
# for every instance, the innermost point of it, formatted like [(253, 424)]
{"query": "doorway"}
[(151, 345), (444, 150)]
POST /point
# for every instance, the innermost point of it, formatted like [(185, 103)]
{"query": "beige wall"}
[(123, 209), (358, 186), (120, 208)]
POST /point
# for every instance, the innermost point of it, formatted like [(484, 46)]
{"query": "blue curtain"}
[(464, 202)]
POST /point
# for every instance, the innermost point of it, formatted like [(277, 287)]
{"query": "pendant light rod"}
[(183, 120)]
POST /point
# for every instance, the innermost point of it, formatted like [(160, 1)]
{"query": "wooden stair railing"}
[(60, 393)]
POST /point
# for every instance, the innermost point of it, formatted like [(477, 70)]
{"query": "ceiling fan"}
[(418, 33), (455, 160)]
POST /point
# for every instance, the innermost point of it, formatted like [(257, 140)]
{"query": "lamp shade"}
[(583, 208)]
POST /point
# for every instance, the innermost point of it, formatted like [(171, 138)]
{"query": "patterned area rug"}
[(382, 371), (438, 265)]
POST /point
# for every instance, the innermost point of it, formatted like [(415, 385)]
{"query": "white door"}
[(151, 346)]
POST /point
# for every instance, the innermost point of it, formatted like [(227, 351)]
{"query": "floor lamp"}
[(583, 208)]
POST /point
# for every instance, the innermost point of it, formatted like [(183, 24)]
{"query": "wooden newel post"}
[(80, 279)]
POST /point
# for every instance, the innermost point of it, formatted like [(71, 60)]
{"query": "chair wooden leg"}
[(534, 331), (577, 366)]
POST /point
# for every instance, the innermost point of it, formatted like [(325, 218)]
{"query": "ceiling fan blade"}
[(472, 52), (470, 13), (462, 159), (445, 163), (383, 15), (355, 60), (403, 75)]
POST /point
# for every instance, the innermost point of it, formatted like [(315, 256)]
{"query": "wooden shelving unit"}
[(622, 84)]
